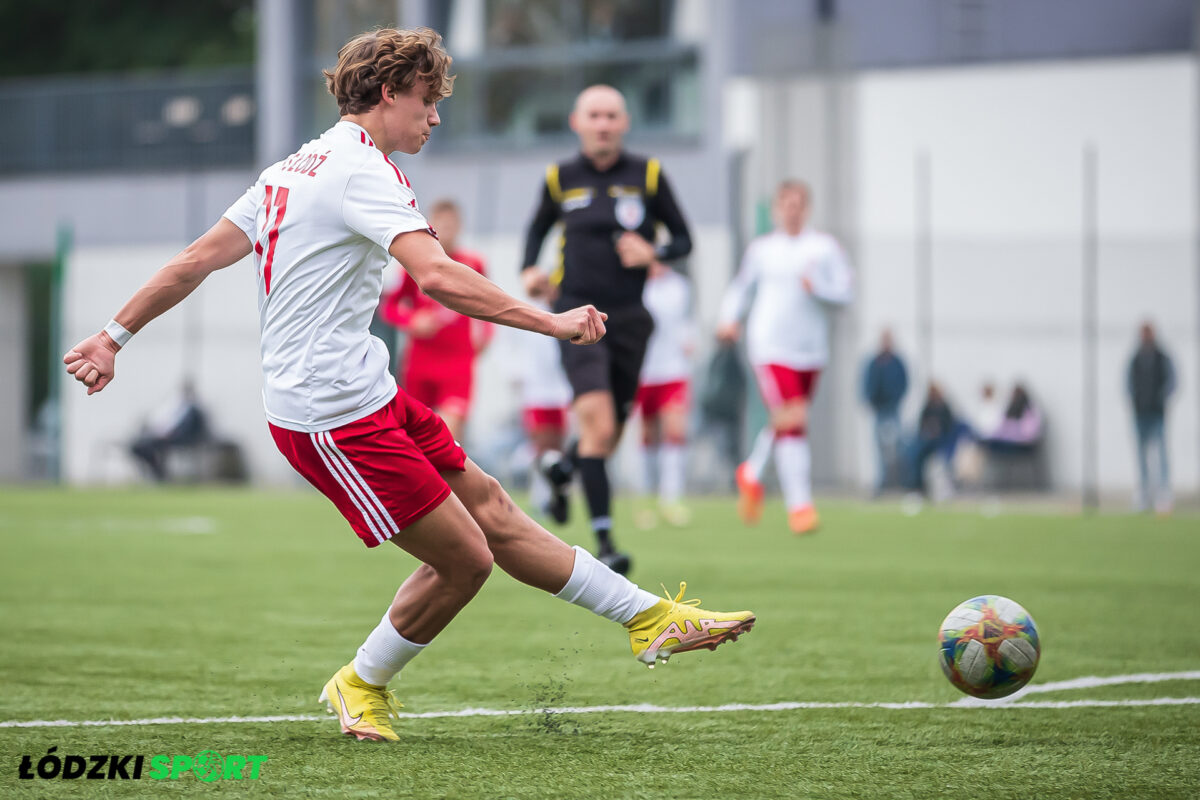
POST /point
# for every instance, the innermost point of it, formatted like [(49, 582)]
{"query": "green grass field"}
[(127, 605)]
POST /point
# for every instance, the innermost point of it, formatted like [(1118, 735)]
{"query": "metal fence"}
[(71, 124)]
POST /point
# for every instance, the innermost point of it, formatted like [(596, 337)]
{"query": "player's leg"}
[(645, 517), (453, 395), (545, 429), (597, 419), (531, 554), (793, 458), (386, 488), (587, 371), (793, 464), (456, 562), (748, 476), (672, 459), (626, 341)]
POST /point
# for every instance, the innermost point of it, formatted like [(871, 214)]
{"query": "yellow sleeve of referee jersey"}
[(653, 167), (552, 183)]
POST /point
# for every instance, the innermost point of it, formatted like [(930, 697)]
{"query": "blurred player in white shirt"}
[(662, 395), (545, 401), (797, 277), (322, 225)]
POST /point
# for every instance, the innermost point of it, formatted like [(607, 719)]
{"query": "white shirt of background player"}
[(668, 298), (790, 284)]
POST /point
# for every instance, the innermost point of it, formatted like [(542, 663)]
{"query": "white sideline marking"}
[(969, 702), (1089, 682)]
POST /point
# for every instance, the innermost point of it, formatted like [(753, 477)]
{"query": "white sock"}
[(793, 463), (539, 489), (760, 452), (672, 473), (651, 461), (600, 590), (384, 653)]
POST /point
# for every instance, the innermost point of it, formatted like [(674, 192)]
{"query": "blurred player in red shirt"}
[(439, 362)]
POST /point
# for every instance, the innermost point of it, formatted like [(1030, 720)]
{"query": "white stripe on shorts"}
[(390, 526), (372, 523), (767, 385)]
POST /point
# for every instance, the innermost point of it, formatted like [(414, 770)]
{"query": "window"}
[(520, 64)]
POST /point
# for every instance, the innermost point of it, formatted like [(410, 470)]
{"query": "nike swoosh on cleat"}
[(642, 639), (350, 721)]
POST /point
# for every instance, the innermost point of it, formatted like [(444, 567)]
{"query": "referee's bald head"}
[(601, 121), (600, 94)]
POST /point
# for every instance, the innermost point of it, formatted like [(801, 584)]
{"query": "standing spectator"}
[(1151, 381), (611, 204), (439, 362), (799, 276), (884, 385)]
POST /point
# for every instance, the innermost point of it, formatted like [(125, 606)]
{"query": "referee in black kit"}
[(611, 204)]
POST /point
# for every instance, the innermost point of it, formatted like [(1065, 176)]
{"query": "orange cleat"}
[(804, 520), (750, 495)]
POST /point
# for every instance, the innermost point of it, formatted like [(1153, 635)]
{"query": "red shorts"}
[(380, 471), (780, 384), (444, 387), (653, 398), (539, 419)]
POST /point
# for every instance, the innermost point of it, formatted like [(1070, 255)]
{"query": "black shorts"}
[(614, 362)]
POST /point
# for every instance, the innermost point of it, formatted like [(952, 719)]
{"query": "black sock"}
[(594, 476)]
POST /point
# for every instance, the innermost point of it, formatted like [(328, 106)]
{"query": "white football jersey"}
[(321, 222), (668, 298), (543, 382), (786, 324)]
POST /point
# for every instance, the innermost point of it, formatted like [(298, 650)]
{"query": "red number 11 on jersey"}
[(279, 207)]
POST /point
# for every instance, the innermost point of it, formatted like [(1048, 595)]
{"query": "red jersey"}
[(453, 340)]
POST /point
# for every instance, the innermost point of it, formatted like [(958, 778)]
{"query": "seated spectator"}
[(1021, 427), (987, 413), (938, 431), (181, 424)]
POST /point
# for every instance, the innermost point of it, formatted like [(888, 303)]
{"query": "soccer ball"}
[(988, 646)]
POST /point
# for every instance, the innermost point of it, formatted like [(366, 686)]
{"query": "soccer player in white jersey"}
[(662, 395), (321, 224), (801, 277)]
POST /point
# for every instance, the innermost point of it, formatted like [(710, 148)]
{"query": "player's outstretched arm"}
[(462, 289), (92, 361)]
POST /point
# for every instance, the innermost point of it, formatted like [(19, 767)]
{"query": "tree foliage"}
[(82, 36)]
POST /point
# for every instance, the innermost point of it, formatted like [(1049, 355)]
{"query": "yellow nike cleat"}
[(677, 626), (362, 709)]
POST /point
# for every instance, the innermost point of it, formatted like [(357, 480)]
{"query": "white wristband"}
[(117, 332)]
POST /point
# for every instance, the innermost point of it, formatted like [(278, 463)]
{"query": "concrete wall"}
[(12, 365), (212, 336), (1005, 147)]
